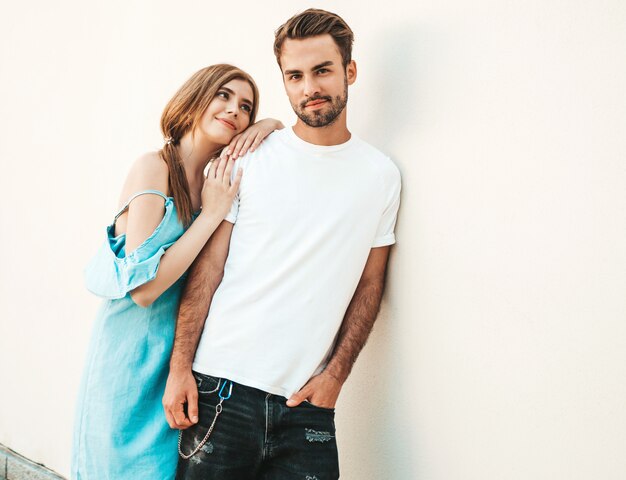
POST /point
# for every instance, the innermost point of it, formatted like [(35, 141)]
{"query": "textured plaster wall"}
[(500, 351)]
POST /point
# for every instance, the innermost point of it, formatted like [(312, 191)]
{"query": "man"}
[(300, 265)]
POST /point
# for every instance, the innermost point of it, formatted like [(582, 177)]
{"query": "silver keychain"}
[(218, 410)]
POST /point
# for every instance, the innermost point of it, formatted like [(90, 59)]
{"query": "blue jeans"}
[(257, 437)]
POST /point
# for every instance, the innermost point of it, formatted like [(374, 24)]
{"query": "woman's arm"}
[(146, 212), (251, 137)]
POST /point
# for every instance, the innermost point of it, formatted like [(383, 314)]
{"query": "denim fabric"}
[(258, 437)]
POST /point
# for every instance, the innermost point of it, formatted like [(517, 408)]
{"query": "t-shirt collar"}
[(317, 149)]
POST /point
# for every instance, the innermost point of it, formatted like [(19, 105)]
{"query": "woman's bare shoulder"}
[(149, 166), (148, 172)]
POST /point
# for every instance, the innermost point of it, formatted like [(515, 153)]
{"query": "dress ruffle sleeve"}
[(112, 273)]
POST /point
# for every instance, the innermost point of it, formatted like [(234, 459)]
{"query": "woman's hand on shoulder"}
[(251, 138), (218, 192)]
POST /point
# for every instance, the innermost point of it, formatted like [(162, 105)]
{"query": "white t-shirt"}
[(306, 217)]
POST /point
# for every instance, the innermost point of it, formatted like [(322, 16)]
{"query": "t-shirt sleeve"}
[(385, 234)]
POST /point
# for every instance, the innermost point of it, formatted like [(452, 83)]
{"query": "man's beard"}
[(320, 118)]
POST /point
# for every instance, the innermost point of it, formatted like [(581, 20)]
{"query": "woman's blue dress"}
[(120, 430)]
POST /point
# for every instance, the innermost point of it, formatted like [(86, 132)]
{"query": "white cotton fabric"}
[(306, 217)]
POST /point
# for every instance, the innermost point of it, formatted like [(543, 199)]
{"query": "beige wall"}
[(500, 352)]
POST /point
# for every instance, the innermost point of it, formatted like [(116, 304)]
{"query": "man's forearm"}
[(355, 328), (194, 307), (204, 277)]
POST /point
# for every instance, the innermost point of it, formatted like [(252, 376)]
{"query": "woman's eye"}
[(246, 108), (223, 95)]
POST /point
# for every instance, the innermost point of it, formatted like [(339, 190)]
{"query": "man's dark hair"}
[(314, 22)]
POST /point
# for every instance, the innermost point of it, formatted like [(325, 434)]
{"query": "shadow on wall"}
[(380, 430), (395, 82)]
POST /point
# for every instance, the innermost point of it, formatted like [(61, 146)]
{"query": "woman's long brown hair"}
[(183, 113)]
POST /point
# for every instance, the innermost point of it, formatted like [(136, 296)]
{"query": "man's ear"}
[(351, 72)]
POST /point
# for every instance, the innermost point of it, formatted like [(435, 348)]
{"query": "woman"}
[(169, 210)]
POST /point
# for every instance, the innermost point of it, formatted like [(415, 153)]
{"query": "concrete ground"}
[(14, 466)]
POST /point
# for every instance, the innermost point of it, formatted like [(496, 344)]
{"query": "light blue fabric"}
[(120, 430), (112, 274)]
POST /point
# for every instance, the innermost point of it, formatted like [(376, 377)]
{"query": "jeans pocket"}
[(324, 409), (206, 384)]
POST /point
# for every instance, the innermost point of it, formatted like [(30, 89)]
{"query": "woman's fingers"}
[(246, 144), (233, 143), (257, 141), (251, 138), (219, 170), (239, 145), (227, 171), (234, 188), (212, 167)]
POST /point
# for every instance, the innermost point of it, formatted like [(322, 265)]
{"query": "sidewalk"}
[(14, 466)]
